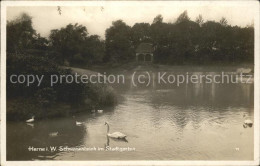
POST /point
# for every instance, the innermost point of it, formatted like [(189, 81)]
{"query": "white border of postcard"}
[(252, 5)]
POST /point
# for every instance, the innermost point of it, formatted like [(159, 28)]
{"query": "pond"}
[(188, 122)]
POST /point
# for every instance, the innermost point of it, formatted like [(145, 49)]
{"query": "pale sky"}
[(97, 20)]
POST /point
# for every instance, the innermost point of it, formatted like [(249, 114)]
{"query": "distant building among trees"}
[(144, 52)]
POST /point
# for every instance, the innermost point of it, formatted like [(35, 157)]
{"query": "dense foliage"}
[(118, 44), (30, 54), (73, 44), (183, 42), (36, 65), (22, 38)]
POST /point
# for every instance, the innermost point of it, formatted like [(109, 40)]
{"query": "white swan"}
[(30, 120), (79, 123), (117, 135), (247, 123), (100, 111), (53, 134)]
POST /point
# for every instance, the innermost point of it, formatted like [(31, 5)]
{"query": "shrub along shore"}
[(50, 101)]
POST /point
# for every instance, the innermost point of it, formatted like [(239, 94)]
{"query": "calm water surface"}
[(190, 122)]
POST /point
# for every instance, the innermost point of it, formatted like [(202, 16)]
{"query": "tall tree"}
[(68, 41), (72, 44), (199, 20), (223, 21), (118, 44), (183, 17), (20, 34), (140, 32), (158, 19)]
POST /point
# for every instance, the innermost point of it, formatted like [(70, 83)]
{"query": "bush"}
[(45, 99), (35, 65), (101, 95)]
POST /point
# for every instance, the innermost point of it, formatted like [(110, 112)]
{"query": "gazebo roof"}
[(144, 48)]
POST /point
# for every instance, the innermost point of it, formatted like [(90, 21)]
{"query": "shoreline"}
[(135, 65)]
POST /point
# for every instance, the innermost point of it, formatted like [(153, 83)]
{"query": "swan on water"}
[(117, 135), (53, 134), (30, 120), (248, 122), (79, 123), (100, 111)]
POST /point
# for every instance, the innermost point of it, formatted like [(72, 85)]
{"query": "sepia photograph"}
[(129, 83)]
